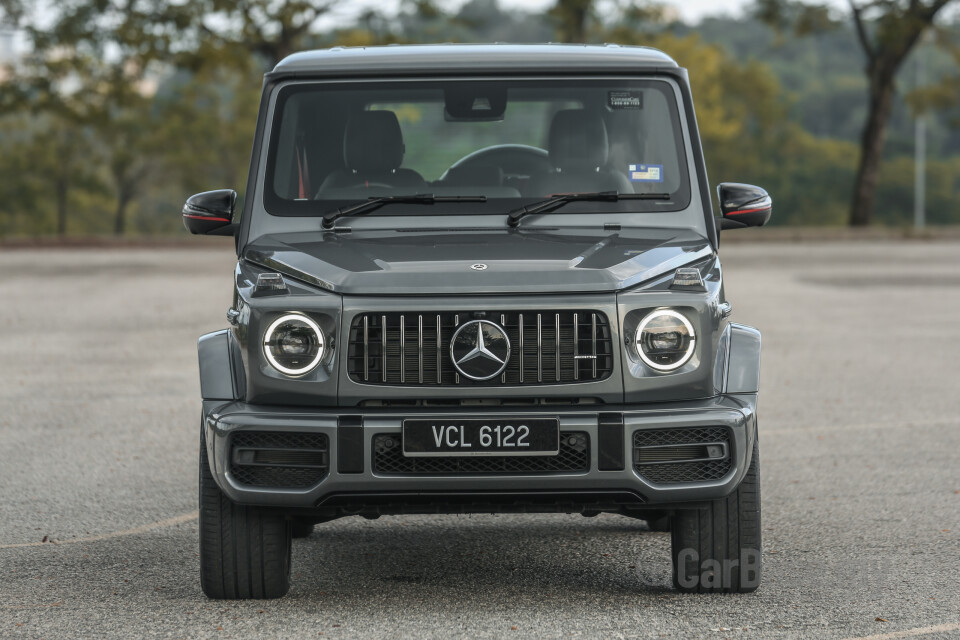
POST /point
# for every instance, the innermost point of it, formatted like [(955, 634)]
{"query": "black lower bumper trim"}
[(610, 442), (350, 444), (427, 502)]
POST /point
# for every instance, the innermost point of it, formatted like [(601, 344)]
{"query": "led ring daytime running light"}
[(268, 336), (659, 313)]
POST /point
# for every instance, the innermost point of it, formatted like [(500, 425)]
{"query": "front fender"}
[(221, 368)]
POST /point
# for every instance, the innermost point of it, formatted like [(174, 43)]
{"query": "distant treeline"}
[(111, 136)]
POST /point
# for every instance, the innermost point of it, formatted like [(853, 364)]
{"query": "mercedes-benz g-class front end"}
[(478, 278)]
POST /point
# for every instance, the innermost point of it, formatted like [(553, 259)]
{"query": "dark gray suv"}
[(478, 278)]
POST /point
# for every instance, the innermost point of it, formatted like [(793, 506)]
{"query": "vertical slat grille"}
[(568, 347)]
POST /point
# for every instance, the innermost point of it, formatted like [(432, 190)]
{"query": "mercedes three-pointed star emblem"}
[(480, 350)]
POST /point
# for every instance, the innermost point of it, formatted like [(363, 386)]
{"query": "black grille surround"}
[(413, 349), (669, 456), (388, 459), (279, 459)]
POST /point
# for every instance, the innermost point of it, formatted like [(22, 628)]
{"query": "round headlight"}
[(665, 340), (293, 344)]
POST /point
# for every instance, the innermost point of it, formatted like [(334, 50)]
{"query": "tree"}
[(572, 18), (206, 122), (887, 31), (91, 70), (270, 29), (897, 29)]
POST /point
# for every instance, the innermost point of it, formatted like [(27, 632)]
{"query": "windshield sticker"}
[(625, 99), (645, 173)]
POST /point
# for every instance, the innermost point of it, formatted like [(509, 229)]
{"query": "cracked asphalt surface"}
[(860, 447)]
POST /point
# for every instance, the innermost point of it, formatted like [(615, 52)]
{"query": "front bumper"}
[(364, 490)]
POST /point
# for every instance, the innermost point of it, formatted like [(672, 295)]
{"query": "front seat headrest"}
[(373, 142), (577, 140)]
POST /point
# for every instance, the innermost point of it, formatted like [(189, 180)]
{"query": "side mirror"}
[(210, 213), (743, 205)]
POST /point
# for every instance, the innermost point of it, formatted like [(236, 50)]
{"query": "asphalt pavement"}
[(860, 448)]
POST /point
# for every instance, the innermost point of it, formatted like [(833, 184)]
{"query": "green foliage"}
[(51, 175), (887, 31)]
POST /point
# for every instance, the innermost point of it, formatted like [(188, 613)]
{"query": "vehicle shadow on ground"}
[(470, 561)]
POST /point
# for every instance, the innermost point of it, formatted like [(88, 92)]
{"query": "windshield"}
[(513, 141)]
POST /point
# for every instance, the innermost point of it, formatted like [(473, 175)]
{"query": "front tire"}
[(657, 521), (717, 548), (244, 551), (301, 528)]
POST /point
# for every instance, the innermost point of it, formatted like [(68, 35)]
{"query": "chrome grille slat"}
[(521, 348), (558, 355), (576, 346), (539, 347), (403, 349), (593, 340), (420, 348), (503, 323), (456, 323), (556, 342), (366, 348)]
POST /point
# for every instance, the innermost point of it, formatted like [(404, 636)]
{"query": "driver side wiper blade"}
[(558, 200), (372, 204)]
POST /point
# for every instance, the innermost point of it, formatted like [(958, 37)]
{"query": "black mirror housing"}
[(743, 205), (210, 213)]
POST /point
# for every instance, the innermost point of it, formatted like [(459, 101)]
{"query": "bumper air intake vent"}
[(669, 456), (278, 459)]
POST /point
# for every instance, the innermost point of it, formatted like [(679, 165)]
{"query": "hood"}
[(477, 261)]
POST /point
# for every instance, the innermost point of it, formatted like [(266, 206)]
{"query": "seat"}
[(372, 154), (579, 150)]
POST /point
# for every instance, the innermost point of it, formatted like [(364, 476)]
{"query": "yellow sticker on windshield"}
[(645, 173)]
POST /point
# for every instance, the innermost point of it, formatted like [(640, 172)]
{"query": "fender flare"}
[(742, 370), (221, 367)]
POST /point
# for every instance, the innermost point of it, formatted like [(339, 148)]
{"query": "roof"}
[(473, 58)]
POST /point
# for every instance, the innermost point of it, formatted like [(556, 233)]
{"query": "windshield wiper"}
[(558, 200), (372, 204)]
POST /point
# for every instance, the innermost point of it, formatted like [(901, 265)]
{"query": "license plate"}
[(481, 437)]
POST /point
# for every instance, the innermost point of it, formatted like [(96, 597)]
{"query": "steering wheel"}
[(365, 185), (517, 161)]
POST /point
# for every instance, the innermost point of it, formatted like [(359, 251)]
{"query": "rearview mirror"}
[(466, 102), (210, 213), (743, 205)]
